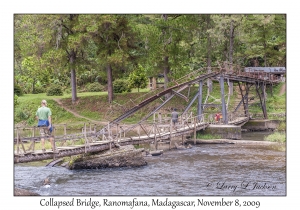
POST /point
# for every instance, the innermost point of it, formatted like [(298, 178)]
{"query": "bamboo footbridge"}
[(159, 128)]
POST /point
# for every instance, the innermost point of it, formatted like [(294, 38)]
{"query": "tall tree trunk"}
[(33, 86), (231, 41), (109, 83), (166, 59), (265, 48), (73, 76), (209, 82), (166, 71)]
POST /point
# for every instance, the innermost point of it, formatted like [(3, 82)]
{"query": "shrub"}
[(39, 89), (54, 90), (276, 137), (21, 114), (94, 87), (18, 90), (282, 126), (68, 90), (137, 78), (16, 101), (121, 85), (207, 136)]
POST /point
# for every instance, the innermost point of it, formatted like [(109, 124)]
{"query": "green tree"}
[(114, 39), (57, 42), (32, 68), (167, 42), (264, 38), (138, 78)]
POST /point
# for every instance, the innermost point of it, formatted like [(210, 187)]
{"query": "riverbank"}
[(22, 192), (229, 141)]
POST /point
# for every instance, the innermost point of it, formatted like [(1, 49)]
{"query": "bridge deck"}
[(98, 146)]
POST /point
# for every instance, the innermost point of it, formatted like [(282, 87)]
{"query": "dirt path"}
[(282, 90), (76, 114)]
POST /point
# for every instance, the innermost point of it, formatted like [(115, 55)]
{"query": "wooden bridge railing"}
[(32, 134), (233, 69), (157, 128)]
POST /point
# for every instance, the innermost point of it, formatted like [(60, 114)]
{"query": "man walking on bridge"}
[(174, 117), (43, 115)]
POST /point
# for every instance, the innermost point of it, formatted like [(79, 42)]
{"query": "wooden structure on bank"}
[(156, 82), (158, 129)]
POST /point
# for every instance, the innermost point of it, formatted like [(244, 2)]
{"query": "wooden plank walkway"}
[(98, 146)]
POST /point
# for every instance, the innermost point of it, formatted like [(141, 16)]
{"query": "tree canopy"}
[(74, 50)]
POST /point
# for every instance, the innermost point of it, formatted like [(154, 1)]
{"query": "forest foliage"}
[(75, 50)]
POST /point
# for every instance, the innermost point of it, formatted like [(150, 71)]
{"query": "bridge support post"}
[(263, 87), (248, 86), (224, 111), (262, 98), (190, 104), (244, 99), (199, 111)]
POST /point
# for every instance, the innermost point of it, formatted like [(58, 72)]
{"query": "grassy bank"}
[(276, 137), (207, 136), (94, 105), (275, 103)]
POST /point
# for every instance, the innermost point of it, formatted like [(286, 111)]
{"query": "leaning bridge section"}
[(159, 128)]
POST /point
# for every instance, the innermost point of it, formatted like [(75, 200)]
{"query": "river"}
[(211, 169)]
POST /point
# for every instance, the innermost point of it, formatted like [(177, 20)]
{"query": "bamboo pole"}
[(109, 137), (65, 134), (85, 138), (53, 139), (171, 130), (195, 130), (155, 139), (117, 132), (33, 146), (18, 149)]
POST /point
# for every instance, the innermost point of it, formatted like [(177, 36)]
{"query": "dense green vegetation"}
[(93, 61), (276, 137), (276, 102), (88, 48), (207, 136)]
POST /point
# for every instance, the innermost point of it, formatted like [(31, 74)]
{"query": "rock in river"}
[(121, 157)]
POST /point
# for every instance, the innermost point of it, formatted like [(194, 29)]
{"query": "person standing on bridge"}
[(43, 115), (174, 117)]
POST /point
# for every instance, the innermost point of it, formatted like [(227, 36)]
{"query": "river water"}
[(212, 169)]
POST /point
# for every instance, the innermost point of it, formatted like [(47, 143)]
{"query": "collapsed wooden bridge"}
[(158, 129)]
